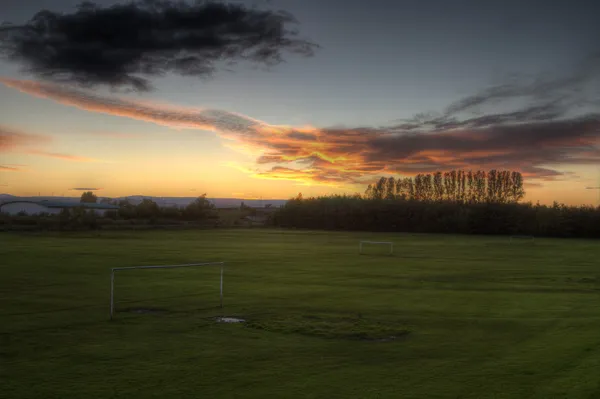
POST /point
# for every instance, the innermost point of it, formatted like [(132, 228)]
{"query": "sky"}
[(365, 89)]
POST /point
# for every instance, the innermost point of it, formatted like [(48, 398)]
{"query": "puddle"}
[(230, 320)]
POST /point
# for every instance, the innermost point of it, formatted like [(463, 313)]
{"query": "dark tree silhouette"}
[(88, 197)]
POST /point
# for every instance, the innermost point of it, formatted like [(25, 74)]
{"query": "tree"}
[(147, 209), (201, 209), (88, 197), (517, 192), (495, 186), (438, 187), (126, 209), (390, 188)]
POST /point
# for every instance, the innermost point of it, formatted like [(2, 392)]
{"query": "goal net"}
[(387, 247), (160, 288)]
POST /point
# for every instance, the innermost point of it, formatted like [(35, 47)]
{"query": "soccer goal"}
[(526, 239), (114, 271), (386, 243)]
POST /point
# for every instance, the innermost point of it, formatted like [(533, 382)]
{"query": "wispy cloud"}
[(557, 126), (65, 157), (5, 168), (85, 189), (116, 135), (12, 139), (245, 196)]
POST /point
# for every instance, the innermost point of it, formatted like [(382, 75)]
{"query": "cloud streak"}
[(542, 90), (4, 168), (124, 44), (535, 139), (12, 139), (57, 155), (85, 189), (116, 135)]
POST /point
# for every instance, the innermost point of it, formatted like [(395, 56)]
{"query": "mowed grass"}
[(444, 317)]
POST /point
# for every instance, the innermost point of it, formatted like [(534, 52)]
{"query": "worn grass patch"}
[(144, 310), (332, 327)]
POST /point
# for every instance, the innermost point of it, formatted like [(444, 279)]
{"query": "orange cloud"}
[(66, 157), (18, 141), (13, 139), (166, 116), (529, 141)]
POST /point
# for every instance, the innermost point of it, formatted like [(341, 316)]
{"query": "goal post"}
[(387, 243), (114, 270)]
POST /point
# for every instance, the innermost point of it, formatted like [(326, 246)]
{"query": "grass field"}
[(444, 317)]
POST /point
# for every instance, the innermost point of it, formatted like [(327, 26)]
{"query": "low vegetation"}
[(199, 213), (445, 317)]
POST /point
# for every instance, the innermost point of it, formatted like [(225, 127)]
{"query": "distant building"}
[(51, 207)]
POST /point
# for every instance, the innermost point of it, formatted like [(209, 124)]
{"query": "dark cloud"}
[(85, 189), (303, 136), (124, 44), (494, 141), (545, 89), (535, 113)]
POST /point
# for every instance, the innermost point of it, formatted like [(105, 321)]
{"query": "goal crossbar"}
[(168, 266), (116, 269), (391, 244)]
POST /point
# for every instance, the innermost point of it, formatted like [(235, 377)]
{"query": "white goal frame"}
[(116, 269), (523, 238), (360, 245)]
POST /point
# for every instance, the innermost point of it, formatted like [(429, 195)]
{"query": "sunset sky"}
[(392, 88)]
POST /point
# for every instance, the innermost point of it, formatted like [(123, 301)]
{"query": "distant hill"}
[(161, 201)]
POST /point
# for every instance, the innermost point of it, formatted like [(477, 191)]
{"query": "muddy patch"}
[(333, 327)]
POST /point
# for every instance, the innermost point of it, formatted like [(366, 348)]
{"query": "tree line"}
[(498, 186), (452, 202), (199, 212), (201, 209)]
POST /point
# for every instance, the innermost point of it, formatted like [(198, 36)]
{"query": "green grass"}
[(444, 317)]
